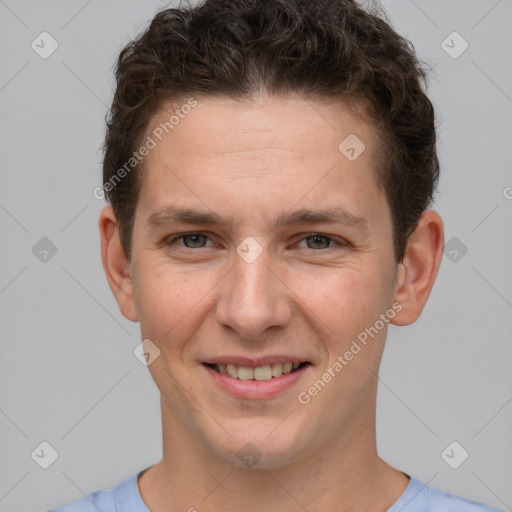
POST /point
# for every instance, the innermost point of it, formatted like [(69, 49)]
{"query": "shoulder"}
[(102, 500), (125, 497), (420, 498), (440, 501)]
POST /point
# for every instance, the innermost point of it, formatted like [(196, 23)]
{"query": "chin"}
[(259, 450)]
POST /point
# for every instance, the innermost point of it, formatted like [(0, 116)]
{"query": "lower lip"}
[(256, 389)]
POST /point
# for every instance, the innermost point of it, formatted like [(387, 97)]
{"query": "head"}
[(295, 140)]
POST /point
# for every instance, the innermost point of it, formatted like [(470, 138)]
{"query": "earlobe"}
[(419, 268), (116, 264)]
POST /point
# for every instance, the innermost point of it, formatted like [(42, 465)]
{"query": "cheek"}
[(171, 302), (345, 300), (348, 303)]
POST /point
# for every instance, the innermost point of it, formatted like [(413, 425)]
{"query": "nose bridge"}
[(252, 298)]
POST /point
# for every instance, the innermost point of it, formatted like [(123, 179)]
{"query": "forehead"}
[(287, 122), (260, 153)]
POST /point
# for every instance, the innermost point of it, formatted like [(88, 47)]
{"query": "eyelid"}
[(173, 238), (337, 241)]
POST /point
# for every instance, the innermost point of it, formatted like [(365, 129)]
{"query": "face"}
[(259, 246)]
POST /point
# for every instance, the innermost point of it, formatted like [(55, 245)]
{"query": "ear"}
[(419, 267), (116, 264)]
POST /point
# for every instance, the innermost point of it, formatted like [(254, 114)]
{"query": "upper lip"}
[(254, 362)]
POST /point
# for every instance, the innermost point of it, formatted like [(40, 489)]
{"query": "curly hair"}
[(327, 50)]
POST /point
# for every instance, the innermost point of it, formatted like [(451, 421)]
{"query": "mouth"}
[(258, 373)]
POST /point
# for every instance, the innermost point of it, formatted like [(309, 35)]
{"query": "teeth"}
[(232, 371), (277, 370), (260, 373), (245, 373), (263, 373)]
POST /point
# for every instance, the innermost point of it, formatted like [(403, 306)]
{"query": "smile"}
[(259, 373), (262, 380)]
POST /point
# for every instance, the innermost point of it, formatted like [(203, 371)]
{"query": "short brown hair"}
[(320, 49)]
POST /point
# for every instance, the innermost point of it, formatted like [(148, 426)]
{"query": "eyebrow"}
[(181, 215)]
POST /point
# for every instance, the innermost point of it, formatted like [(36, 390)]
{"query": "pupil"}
[(318, 239), (195, 239)]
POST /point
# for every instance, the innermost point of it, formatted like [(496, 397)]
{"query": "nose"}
[(254, 298)]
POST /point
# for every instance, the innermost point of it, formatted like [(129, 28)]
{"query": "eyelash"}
[(168, 242)]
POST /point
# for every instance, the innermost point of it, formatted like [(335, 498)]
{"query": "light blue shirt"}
[(416, 498)]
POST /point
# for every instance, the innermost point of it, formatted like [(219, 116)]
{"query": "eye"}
[(196, 240), (190, 241), (318, 241)]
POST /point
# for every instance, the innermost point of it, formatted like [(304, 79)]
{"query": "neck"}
[(344, 474)]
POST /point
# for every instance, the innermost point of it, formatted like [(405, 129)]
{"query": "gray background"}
[(68, 374)]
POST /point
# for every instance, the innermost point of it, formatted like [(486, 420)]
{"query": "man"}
[(269, 166)]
